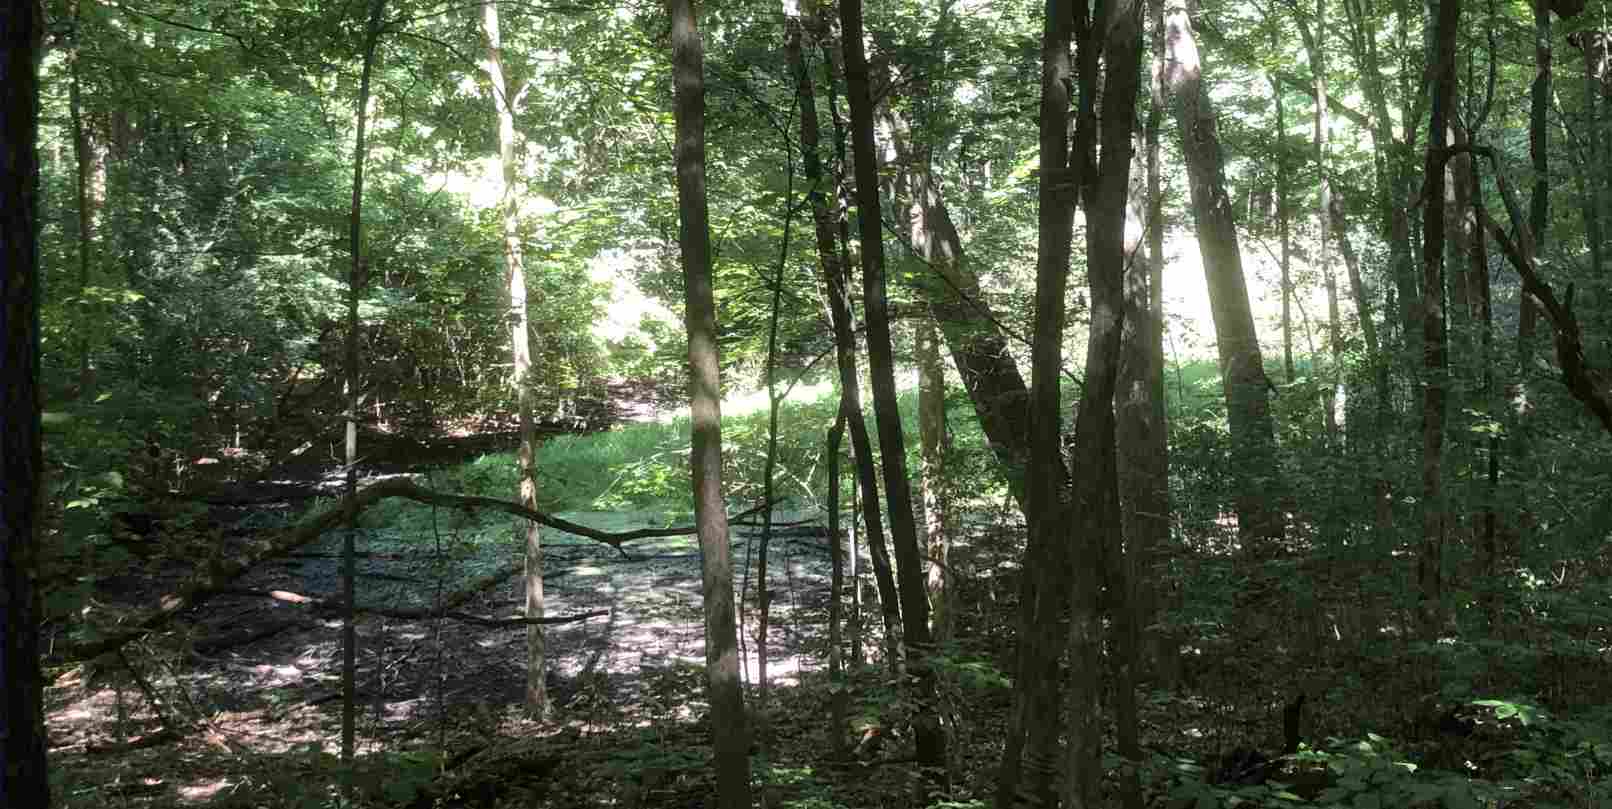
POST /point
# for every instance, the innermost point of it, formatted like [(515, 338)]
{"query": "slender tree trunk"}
[(1593, 44), (1259, 517), (24, 780), (1539, 98), (774, 402), (935, 443), (1141, 477), (1161, 646), (1282, 227), (1429, 566), (836, 294), (504, 97), (87, 164), (1030, 759), (1316, 44), (729, 737), (1479, 273), (839, 697), (1110, 245), (358, 276), (929, 740)]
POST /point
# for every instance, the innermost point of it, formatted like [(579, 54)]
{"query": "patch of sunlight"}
[(780, 670), (203, 791)]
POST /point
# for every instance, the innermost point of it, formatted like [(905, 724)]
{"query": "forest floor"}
[(238, 704)]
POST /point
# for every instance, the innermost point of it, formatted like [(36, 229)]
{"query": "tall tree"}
[(505, 96), (1253, 461), (1429, 562), (89, 182), (934, 443), (729, 735), (930, 740), (23, 778), (357, 278), (834, 287)]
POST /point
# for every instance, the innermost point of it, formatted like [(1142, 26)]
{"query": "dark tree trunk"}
[(930, 741), (23, 777), (1253, 460), (1283, 227), (835, 290), (839, 697), (1429, 563), (356, 279), (1110, 245), (1030, 760), (729, 736)]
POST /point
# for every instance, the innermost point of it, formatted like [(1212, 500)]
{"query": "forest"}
[(824, 405)]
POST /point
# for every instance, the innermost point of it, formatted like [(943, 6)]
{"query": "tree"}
[(930, 740), (1259, 516), (1435, 361), (357, 277), (705, 391), (23, 777), (834, 288), (505, 96)]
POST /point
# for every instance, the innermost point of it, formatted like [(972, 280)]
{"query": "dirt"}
[(238, 703)]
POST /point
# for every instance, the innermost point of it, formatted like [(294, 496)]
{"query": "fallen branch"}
[(1587, 384), (215, 575)]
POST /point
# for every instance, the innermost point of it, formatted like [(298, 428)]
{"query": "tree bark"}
[(356, 279), (935, 445), (24, 780), (729, 736), (839, 697), (1030, 759), (1429, 563), (505, 95), (1259, 518), (1155, 447), (1142, 485), (835, 290), (1283, 228), (88, 165), (929, 740)]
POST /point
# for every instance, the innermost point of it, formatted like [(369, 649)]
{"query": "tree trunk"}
[(1429, 566), (729, 736), (1142, 486), (89, 163), (1110, 245), (774, 402), (1592, 187), (839, 697), (24, 780), (504, 97), (358, 276), (1155, 458), (1030, 760), (935, 445), (835, 290), (1316, 43), (1259, 518), (929, 740), (1282, 227)]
